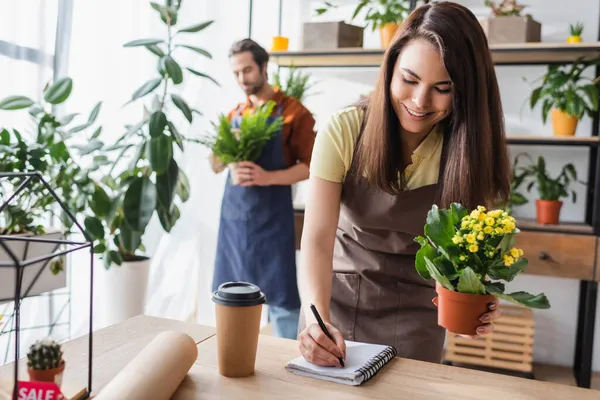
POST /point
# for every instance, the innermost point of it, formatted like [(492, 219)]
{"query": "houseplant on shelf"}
[(232, 145), (384, 15), (469, 254), (63, 150), (45, 361), (575, 31), (295, 85), (567, 96), (507, 24), (550, 190), (145, 178)]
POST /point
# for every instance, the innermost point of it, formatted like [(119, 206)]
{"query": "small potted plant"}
[(45, 361), (232, 145), (516, 197), (384, 15), (550, 190), (469, 254), (507, 24), (576, 31), (295, 85), (567, 96)]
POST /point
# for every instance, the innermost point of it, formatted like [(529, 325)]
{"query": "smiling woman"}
[(431, 132)]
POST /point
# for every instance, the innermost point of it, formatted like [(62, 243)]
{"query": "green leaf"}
[(143, 42), (196, 28), (139, 203), (96, 133), (494, 287), (173, 69), (159, 151), (59, 91), (507, 243), (155, 50), (539, 301), (176, 135), (157, 124), (203, 75), (435, 274), (182, 105), (168, 219), (146, 88), (468, 282), (15, 103), (196, 49), (94, 227), (166, 185), (129, 239), (183, 186), (439, 228), (426, 251), (100, 202), (94, 113)]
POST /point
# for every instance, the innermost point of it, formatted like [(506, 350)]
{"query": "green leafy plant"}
[(549, 188), (473, 252), (296, 85), (564, 88), (64, 150), (505, 8), (377, 12), (44, 354), (232, 145), (516, 197), (576, 29), (151, 180)]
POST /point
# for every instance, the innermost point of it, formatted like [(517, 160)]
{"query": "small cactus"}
[(44, 354)]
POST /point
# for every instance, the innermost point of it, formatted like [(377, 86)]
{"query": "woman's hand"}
[(487, 319), (318, 349)]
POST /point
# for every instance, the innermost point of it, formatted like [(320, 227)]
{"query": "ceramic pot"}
[(47, 375), (280, 43), (548, 211), (234, 179), (386, 33), (458, 312), (563, 124)]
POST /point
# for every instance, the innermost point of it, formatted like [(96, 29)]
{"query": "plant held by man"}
[(473, 253), (232, 145), (151, 181)]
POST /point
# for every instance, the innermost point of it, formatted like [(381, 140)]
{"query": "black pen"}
[(324, 328)]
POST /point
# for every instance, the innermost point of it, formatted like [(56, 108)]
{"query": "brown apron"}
[(377, 295)]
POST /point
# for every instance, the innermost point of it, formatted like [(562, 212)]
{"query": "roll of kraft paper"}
[(156, 372)]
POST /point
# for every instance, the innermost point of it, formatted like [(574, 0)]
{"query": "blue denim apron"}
[(256, 241)]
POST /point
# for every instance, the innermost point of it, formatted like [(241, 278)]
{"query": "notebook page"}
[(357, 356)]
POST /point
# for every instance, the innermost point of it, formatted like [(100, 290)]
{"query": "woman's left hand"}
[(486, 320)]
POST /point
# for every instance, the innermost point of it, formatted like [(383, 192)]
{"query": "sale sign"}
[(35, 390)]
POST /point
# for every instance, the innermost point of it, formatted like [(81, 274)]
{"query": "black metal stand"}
[(20, 265), (584, 341)]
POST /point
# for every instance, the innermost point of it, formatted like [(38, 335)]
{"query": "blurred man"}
[(256, 234)]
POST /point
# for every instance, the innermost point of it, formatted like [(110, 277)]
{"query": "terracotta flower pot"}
[(563, 124), (386, 33), (548, 211), (460, 312), (47, 375)]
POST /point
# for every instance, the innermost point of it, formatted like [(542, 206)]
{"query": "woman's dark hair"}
[(475, 166)]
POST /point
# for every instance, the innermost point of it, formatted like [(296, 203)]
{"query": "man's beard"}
[(255, 88)]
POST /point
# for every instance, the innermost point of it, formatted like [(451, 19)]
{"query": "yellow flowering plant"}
[(473, 252)]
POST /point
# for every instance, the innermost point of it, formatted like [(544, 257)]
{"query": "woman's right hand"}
[(318, 349)]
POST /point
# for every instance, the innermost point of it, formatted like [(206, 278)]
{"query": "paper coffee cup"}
[(238, 311)]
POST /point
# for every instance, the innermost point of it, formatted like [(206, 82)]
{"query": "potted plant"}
[(232, 145), (295, 85), (51, 150), (145, 179), (45, 361), (550, 190), (508, 25), (576, 31), (516, 197), (469, 254), (567, 96), (382, 15)]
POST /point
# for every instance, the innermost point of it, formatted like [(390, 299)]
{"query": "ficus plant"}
[(564, 88), (150, 181), (377, 12), (65, 150)]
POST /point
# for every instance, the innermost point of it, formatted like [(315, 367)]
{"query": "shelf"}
[(502, 54), (571, 228), (553, 140)]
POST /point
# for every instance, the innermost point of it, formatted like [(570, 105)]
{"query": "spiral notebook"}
[(363, 361)]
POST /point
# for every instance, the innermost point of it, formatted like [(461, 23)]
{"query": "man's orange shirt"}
[(298, 127)]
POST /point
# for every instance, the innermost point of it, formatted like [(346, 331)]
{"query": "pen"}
[(324, 328)]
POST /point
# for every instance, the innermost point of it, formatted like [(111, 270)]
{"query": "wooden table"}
[(115, 346)]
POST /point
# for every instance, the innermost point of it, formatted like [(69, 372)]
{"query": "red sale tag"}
[(34, 390)]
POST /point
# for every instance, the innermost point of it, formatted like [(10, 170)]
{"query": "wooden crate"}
[(509, 347), (331, 35)]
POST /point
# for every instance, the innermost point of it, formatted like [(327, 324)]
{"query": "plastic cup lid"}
[(238, 294)]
